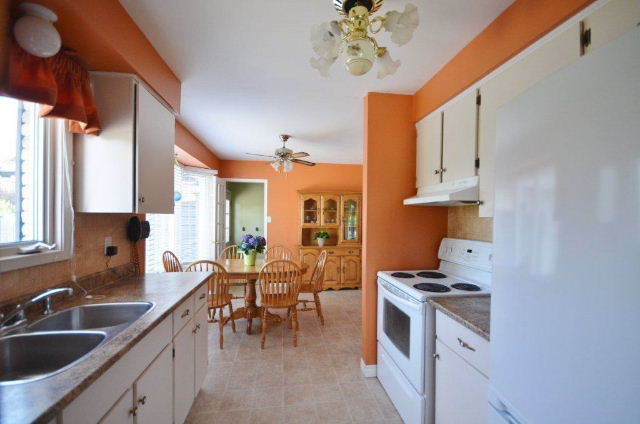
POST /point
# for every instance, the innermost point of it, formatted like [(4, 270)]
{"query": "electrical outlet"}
[(108, 241)]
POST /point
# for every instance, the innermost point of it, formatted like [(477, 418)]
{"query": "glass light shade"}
[(360, 55), (388, 66), (288, 166), (402, 25), (35, 32), (276, 165)]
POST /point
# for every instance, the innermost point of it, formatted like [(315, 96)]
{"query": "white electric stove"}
[(406, 322)]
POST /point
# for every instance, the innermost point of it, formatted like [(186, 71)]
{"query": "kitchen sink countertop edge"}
[(474, 312), (41, 400)]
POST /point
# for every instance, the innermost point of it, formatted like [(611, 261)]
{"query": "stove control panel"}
[(475, 254)]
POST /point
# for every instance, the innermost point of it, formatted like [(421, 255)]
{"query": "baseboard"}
[(368, 370)]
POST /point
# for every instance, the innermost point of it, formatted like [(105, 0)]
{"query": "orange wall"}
[(395, 236), (282, 191), (524, 22), (192, 152), (107, 39)]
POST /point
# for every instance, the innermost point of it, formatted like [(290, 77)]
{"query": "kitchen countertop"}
[(42, 400), (474, 312)]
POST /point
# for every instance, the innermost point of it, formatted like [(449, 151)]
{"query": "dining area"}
[(275, 283)]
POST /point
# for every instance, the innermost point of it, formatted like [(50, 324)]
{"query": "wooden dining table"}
[(237, 270)]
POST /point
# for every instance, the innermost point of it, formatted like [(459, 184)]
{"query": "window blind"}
[(189, 231)]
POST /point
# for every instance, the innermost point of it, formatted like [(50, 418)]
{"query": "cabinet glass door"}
[(310, 210), (330, 210), (351, 219)]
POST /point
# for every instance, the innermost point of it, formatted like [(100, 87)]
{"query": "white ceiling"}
[(244, 67)]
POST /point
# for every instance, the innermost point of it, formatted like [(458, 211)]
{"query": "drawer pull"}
[(465, 345), (186, 313), (202, 296), (331, 252), (142, 400)]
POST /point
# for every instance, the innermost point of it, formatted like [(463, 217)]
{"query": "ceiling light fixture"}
[(34, 30), (284, 158), (350, 37)]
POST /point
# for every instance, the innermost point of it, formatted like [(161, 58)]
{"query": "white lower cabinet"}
[(201, 348), (183, 372), (157, 380), (153, 401), (121, 412), (461, 395)]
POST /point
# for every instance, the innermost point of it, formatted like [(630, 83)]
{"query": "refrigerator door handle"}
[(506, 415)]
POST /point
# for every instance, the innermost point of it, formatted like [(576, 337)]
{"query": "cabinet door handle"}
[(133, 411), (444, 170), (195, 330), (142, 400), (465, 345), (185, 313), (436, 356), (202, 296), (436, 172), (141, 199)]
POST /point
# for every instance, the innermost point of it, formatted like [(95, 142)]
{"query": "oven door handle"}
[(398, 297)]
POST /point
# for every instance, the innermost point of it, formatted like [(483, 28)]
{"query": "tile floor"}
[(317, 382)]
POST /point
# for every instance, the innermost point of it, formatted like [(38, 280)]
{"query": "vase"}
[(321, 241), (250, 258)]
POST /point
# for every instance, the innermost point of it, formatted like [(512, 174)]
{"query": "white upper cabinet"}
[(128, 168), (429, 150), (459, 138), (508, 84), (609, 22)]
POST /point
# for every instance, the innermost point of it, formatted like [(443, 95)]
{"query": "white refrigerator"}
[(565, 317)]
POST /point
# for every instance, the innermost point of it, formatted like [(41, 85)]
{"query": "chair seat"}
[(282, 304), (308, 288), (216, 302)]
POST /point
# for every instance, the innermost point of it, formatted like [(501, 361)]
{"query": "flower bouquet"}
[(252, 245)]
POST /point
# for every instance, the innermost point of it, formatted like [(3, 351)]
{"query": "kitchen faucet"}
[(19, 311)]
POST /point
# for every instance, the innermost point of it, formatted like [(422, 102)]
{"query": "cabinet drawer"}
[(473, 348), (183, 314), (200, 296)]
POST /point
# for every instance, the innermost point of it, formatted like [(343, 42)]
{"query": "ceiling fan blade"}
[(303, 162), (265, 156), (299, 155)]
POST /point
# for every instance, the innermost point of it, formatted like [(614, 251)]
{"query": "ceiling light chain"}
[(350, 37)]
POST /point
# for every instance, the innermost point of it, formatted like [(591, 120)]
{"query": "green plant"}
[(322, 235)]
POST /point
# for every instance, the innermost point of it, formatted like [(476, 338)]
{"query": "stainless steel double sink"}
[(58, 341)]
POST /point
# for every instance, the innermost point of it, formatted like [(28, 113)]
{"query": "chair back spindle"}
[(171, 262)]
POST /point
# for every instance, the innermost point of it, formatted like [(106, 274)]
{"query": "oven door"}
[(401, 323)]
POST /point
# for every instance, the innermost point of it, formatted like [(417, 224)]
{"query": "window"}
[(35, 196), (189, 232)]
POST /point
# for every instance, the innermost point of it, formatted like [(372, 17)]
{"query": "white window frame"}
[(58, 206)]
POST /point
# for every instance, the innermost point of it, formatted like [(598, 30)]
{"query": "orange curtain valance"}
[(59, 83)]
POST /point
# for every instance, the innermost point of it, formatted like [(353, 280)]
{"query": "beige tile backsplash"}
[(89, 258), (463, 222)]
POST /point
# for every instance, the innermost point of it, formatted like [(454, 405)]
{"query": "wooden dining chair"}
[(279, 288), (218, 293), (278, 252), (314, 286), (171, 262), (233, 252)]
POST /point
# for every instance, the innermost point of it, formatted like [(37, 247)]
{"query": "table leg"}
[(250, 302)]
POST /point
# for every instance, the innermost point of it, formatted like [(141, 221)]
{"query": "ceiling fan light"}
[(276, 165), (360, 55), (288, 166)]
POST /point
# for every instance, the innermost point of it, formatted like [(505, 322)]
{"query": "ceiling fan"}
[(284, 158)]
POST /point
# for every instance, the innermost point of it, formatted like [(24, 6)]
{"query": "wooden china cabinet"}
[(340, 214)]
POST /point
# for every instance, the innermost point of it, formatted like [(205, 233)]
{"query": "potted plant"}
[(252, 245), (321, 237)]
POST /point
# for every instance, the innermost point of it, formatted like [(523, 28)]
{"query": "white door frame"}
[(266, 197)]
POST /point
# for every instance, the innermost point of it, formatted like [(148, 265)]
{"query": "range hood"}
[(452, 193)]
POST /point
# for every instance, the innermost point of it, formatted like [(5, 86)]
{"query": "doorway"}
[(245, 209)]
